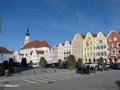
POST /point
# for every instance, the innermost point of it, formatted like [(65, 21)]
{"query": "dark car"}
[(63, 66), (17, 64), (115, 66)]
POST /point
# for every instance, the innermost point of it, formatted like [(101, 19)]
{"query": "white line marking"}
[(48, 79), (56, 78), (41, 80), (29, 81), (3, 80)]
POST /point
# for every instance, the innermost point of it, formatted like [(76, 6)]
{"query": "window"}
[(85, 49), (118, 51), (90, 48), (115, 38), (110, 39), (90, 43), (118, 44), (113, 45), (100, 41), (108, 45), (113, 52), (108, 52)]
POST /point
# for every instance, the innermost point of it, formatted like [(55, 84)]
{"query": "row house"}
[(77, 46), (67, 50), (62, 51), (55, 53), (89, 47), (113, 46), (100, 45)]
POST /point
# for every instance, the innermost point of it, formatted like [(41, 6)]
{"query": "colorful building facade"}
[(89, 47), (113, 46), (77, 46)]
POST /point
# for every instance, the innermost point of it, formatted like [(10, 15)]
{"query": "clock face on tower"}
[(26, 38)]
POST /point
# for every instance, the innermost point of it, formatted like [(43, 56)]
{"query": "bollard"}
[(6, 73), (54, 70), (34, 71)]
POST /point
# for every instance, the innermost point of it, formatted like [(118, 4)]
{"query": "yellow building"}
[(89, 47), (77, 46), (101, 42)]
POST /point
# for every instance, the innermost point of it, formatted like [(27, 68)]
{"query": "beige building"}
[(77, 46)]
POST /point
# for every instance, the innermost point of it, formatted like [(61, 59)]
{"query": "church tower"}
[(27, 37)]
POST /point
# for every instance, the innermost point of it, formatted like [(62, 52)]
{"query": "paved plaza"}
[(62, 79)]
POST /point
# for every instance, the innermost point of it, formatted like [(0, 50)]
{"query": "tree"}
[(24, 62), (59, 61), (80, 61), (42, 62), (71, 62), (11, 66), (101, 60), (31, 62)]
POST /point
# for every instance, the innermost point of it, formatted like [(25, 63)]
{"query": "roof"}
[(4, 50), (83, 36), (36, 44), (38, 52), (94, 35)]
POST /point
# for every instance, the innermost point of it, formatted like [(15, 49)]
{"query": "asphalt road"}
[(62, 80)]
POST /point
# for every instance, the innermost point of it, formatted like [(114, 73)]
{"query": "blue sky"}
[(55, 20)]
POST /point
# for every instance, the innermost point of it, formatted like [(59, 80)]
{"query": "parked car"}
[(91, 64), (115, 66), (17, 64), (63, 66), (33, 65)]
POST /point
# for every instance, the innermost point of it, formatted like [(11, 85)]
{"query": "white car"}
[(34, 65), (91, 64)]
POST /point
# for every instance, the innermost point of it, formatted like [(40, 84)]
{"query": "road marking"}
[(42, 81), (3, 80), (64, 77), (28, 81), (48, 79), (56, 78)]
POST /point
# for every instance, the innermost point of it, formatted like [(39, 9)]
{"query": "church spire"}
[(27, 33)]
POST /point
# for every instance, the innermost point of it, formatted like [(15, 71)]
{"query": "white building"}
[(61, 51), (35, 47), (67, 50)]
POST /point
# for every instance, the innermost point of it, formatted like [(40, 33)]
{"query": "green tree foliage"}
[(101, 60), (71, 62), (59, 61), (80, 61), (42, 62), (31, 62), (24, 62)]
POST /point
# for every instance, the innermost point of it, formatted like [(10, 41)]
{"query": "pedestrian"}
[(43, 64)]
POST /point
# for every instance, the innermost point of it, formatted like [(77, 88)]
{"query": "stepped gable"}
[(4, 50), (36, 44)]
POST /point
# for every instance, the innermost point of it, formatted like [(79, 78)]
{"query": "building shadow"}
[(118, 84)]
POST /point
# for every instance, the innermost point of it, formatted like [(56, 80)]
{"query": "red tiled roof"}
[(94, 35), (36, 44), (4, 50)]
